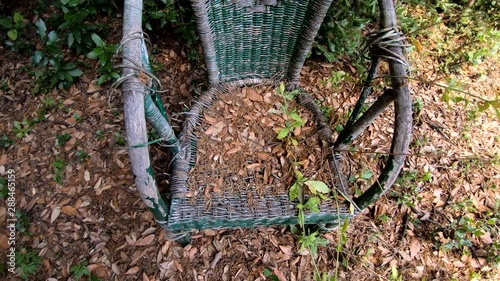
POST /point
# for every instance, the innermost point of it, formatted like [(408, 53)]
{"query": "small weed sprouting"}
[(468, 229), (294, 120), (317, 190), (27, 263), (21, 129), (104, 53), (77, 117), (94, 278), (5, 142), (81, 155), (395, 275), (22, 223), (120, 140), (48, 104), (366, 175), (59, 167), (308, 240), (409, 180), (268, 273), (62, 139), (100, 134), (338, 76), (79, 270), (4, 189)]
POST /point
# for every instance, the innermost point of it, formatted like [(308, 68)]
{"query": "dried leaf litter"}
[(238, 149)]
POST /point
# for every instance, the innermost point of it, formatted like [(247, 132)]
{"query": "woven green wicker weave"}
[(248, 42), (243, 40)]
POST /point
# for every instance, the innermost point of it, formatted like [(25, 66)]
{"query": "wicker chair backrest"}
[(257, 39)]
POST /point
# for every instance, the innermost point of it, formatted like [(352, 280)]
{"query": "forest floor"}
[(439, 222)]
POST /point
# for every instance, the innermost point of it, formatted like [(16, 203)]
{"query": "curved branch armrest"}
[(403, 121)]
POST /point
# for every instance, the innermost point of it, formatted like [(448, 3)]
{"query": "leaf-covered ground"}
[(439, 222)]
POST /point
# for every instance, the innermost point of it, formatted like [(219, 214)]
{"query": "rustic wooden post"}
[(135, 124)]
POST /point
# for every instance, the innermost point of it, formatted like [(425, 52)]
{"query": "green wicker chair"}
[(249, 42)]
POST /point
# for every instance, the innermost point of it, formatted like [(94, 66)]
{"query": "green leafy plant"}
[(341, 34), (27, 262), (76, 21), (104, 53), (338, 76), (81, 155), (94, 278), (21, 129), (48, 104), (468, 229), (5, 142), (4, 189), (76, 24), (79, 270), (174, 15), (59, 166), (62, 139), (395, 275), (77, 117), (23, 222), (268, 273), (51, 68), (100, 134), (468, 35), (120, 140), (409, 195), (307, 239), (294, 121), (14, 28)]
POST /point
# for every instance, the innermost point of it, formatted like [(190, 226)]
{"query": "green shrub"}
[(340, 36), (27, 262), (14, 28)]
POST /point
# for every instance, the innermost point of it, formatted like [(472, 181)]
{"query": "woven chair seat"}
[(249, 42)]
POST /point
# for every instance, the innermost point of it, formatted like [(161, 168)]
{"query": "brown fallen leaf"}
[(68, 101), (3, 159), (414, 247), (279, 274), (215, 129), (93, 88), (253, 95), (4, 242), (98, 184), (210, 120), (253, 166), (145, 241), (132, 270), (233, 150), (288, 250), (114, 205), (55, 214), (115, 268), (262, 156), (209, 232), (86, 176), (405, 256), (68, 210), (486, 238), (99, 270)]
